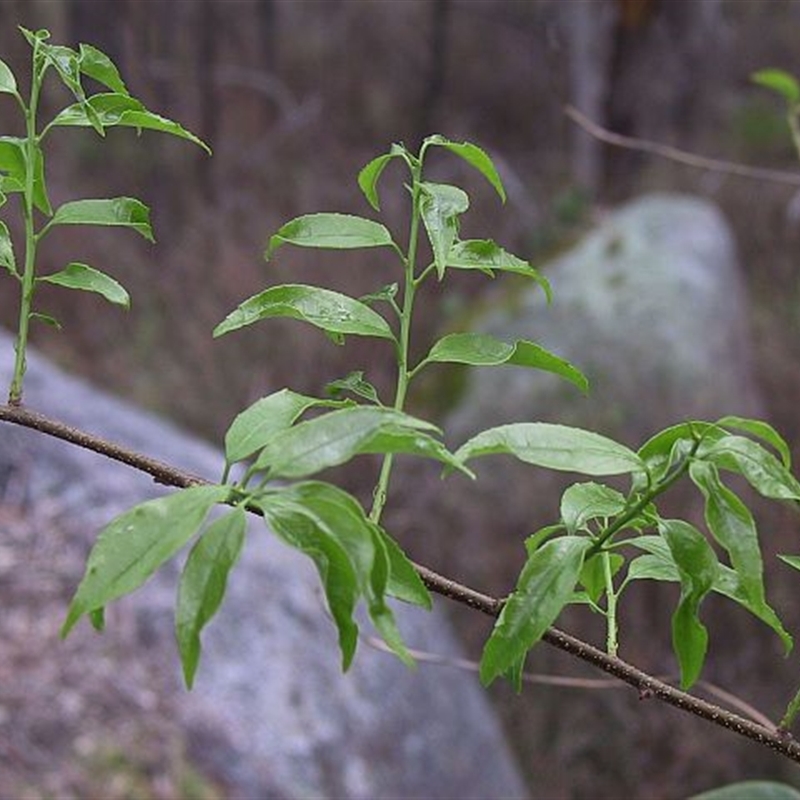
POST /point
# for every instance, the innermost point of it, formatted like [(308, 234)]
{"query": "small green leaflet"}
[(792, 561), (8, 84), (355, 384), (732, 525), (545, 586), (583, 502), (480, 349), (765, 473), (97, 65), (488, 257), (554, 447), (203, 582), (698, 568), (260, 422), (13, 163), (88, 279), (368, 177), (126, 212), (593, 573), (331, 311), (779, 81), (440, 206), (334, 231), (761, 430), (475, 157), (7, 260), (136, 543)]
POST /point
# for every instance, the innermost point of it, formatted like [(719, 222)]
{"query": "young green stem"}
[(404, 338), (29, 275), (623, 519), (612, 641)]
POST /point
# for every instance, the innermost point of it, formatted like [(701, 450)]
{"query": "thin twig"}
[(647, 685), (566, 682), (681, 156)]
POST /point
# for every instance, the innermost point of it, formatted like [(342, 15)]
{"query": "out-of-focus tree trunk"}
[(588, 26), (437, 67), (266, 20)]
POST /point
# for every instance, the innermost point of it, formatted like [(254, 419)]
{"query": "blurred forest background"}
[(294, 96)]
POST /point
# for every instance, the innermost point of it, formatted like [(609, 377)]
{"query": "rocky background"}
[(674, 305)]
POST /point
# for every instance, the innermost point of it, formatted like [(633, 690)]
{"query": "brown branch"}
[(681, 156), (647, 685)]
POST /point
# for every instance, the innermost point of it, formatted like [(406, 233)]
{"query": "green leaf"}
[(116, 109), (333, 231), (765, 473), (98, 65), (256, 425), (384, 295), (332, 312), (126, 212), (697, 567), (136, 543), (792, 561), (8, 85), (300, 528), (545, 586), (344, 518), (335, 438), (761, 430), (660, 445), (480, 349), (368, 177), (658, 565), (13, 162), (583, 502), (440, 206), (488, 257), (203, 582), (46, 319), (732, 525), (355, 384), (779, 81), (404, 581), (593, 573), (327, 523), (554, 447), (475, 157), (536, 539), (7, 250), (750, 790), (88, 279)]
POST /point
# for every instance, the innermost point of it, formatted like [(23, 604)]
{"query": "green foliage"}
[(788, 88), (751, 790), (22, 171), (275, 450)]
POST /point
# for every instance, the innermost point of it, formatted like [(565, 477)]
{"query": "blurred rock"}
[(651, 306), (271, 714)]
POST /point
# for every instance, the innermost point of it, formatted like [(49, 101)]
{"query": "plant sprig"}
[(22, 171)]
